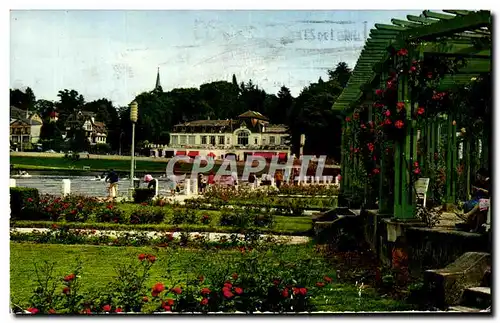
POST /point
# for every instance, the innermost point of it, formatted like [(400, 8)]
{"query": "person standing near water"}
[(112, 178)]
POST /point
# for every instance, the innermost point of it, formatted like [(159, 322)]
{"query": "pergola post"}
[(451, 160)]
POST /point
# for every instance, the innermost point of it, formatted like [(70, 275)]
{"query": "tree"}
[(108, 114), (341, 74), (23, 100), (69, 102)]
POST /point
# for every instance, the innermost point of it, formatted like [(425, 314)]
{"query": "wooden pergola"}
[(454, 34)]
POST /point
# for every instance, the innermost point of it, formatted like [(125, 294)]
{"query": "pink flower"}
[(284, 293), (227, 293), (402, 52), (118, 310), (320, 284), (238, 290), (379, 92), (376, 171), (176, 290), (204, 301), (106, 308), (399, 124), (420, 110), (400, 106), (205, 291), (387, 113), (416, 170)]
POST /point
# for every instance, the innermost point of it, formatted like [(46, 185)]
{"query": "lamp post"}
[(133, 118)]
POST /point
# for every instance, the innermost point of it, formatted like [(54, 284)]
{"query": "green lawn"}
[(99, 262)]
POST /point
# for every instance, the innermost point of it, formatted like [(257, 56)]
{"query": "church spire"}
[(158, 85)]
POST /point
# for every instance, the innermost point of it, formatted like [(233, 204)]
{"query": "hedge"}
[(23, 202), (142, 195)]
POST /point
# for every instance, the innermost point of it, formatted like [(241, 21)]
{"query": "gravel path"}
[(212, 236)]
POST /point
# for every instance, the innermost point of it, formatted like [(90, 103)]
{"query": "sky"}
[(116, 54)]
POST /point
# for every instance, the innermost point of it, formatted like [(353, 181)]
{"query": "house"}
[(95, 131), (25, 126), (249, 134)]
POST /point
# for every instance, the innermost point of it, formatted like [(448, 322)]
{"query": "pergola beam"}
[(446, 27)]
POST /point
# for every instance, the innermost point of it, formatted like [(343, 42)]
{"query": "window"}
[(272, 140), (26, 139), (212, 140), (221, 140), (15, 138), (256, 141), (263, 141), (243, 138), (175, 140), (203, 140), (191, 140), (183, 139), (283, 140)]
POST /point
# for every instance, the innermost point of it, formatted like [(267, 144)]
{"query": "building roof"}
[(99, 127), (254, 115), (19, 114)]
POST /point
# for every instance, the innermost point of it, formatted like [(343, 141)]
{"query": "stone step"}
[(463, 309), (479, 297)]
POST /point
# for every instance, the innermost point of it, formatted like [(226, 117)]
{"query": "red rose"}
[(227, 293), (205, 291), (238, 290), (420, 110), (355, 116), (141, 257), (415, 164), (276, 282), (413, 69), (73, 212), (370, 146), (144, 203), (387, 113), (347, 119), (87, 311), (387, 121), (176, 290), (66, 290), (320, 284), (110, 206), (204, 301), (235, 276), (228, 285), (402, 52), (54, 226), (145, 299), (429, 75), (400, 106), (151, 258), (52, 311), (416, 170), (33, 310), (69, 277), (284, 293), (170, 302), (363, 126), (106, 308), (376, 171), (379, 92), (327, 279), (167, 308), (399, 124), (118, 310), (30, 199), (157, 289), (303, 291), (201, 279)]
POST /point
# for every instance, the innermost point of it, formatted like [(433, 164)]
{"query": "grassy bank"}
[(99, 264)]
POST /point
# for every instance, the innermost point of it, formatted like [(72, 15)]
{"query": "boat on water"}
[(22, 174)]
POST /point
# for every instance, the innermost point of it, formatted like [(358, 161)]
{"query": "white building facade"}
[(249, 134)]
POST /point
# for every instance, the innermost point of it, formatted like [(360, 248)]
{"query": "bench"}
[(421, 186)]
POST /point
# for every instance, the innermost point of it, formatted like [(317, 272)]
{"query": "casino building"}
[(248, 134)]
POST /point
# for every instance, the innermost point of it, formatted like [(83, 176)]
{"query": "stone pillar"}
[(156, 188), (195, 186), (272, 182), (66, 187), (12, 182), (187, 187)]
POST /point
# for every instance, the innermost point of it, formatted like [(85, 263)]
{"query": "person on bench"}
[(475, 210)]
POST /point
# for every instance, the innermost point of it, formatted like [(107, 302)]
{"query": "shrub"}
[(205, 218), (184, 215), (110, 213), (147, 216), (24, 203), (143, 195)]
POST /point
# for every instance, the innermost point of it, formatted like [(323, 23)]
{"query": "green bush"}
[(147, 216), (24, 203), (184, 215), (110, 213), (142, 195)]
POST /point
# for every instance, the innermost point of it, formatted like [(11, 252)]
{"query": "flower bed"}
[(248, 283)]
